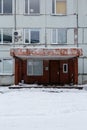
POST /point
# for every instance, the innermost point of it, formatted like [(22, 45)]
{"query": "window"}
[(59, 7), (35, 67), (6, 66), (5, 35), (59, 36), (0, 36), (32, 35), (6, 6), (0, 6), (32, 7), (65, 68)]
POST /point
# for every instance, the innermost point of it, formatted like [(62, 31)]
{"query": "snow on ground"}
[(43, 109)]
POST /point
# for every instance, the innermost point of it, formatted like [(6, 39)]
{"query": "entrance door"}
[(54, 72), (64, 72)]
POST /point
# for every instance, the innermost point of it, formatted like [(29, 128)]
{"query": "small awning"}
[(46, 52)]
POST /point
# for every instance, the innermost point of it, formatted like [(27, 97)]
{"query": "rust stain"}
[(46, 52)]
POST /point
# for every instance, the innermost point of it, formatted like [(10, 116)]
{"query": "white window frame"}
[(29, 35), (65, 65), (2, 42), (57, 36), (2, 8), (55, 8), (32, 67), (29, 13), (2, 67)]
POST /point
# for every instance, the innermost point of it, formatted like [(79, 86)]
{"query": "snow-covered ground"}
[(43, 109)]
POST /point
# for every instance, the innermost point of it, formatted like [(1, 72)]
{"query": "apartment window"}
[(59, 7), (0, 36), (0, 6), (65, 68), (6, 6), (59, 36), (5, 36), (32, 7), (32, 36), (6, 66), (35, 67)]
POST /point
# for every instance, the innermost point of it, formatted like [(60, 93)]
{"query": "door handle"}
[(58, 73)]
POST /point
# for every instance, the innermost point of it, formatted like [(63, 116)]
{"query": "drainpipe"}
[(77, 23), (45, 26), (83, 71), (15, 24), (82, 41)]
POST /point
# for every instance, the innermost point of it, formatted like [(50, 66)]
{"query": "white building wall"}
[(47, 21), (82, 40)]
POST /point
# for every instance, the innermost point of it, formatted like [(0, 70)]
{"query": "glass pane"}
[(30, 67), (65, 68), (7, 35), (0, 35), (26, 36), (38, 68), (35, 67), (35, 36), (7, 6), (29, 70), (62, 36), (53, 6), (7, 66), (0, 66), (26, 6), (60, 7), (0, 6), (54, 36), (34, 6)]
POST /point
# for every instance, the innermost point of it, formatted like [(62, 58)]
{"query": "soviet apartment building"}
[(43, 41)]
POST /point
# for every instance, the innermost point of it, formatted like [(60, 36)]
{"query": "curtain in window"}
[(59, 35), (62, 35), (35, 67), (60, 7), (7, 66)]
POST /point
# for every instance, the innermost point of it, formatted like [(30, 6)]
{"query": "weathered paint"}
[(75, 52), (53, 75)]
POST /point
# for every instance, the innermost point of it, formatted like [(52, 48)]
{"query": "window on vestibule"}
[(34, 67)]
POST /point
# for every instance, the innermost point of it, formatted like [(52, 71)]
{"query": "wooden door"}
[(64, 72), (54, 72)]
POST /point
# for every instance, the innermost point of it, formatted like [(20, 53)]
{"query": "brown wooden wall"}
[(38, 79), (63, 78)]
